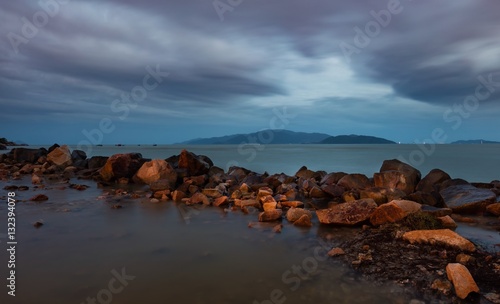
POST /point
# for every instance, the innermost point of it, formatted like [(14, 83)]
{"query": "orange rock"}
[(294, 204), (462, 280), (393, 211), (441, 236), (270, 216), (336, 252), (303, 221), (223, 200)]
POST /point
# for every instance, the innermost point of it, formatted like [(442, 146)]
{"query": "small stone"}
[(270, 216), (294, 204), (154, 200), (116, 206), (440, 236), (448, 222), (38, 224), (303, 221), (462, 280), (39, 198), (464, 259), (336, 252), (221, 201), (277, 228), (493, 297)]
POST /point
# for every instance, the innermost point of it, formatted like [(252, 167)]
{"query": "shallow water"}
[(175, 254)]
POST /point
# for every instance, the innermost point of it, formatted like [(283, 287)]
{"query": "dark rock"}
[(97, 162), (432, 181), (467, 198), (453, 182), (305, 173), (436, 212), (483, 185), (494, 209), (316, 192), (350, 213), (53, 147), (193, 164), (332, 178), (379, 195), (121, 165), (39, 198), (395, 174), (425, 198), (78, 155), (3, 147), (27, 155), (354, 181)]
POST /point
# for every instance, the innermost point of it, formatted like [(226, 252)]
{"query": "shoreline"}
[(379, 203)]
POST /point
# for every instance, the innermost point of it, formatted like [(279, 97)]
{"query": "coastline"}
[(193, 180)]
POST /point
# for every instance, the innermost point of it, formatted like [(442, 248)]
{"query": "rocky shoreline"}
[(406, 222)]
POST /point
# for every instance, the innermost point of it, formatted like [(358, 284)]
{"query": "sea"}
[(144, 252)]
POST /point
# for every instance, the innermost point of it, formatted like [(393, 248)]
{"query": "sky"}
[(110, 71)]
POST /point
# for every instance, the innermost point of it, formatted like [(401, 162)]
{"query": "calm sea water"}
[(478, 163), (185, 255)]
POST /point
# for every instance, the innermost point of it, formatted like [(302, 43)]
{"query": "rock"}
[(247, 203), (467, 198), (453, 182), (493, 297), (350, 196), (38, 224), (212, 192), (292, 204), (277, 228), (350, 213), (464, 259), (27, 155), (305, 173), (244, 188), (393, 211), (199, 198), (333, 190), (161, 184), (264, 191), (60, 156), (36, 180), (425, 198), (462, 280), (336, 252), (379, 195), (193, 164), (441, 236), (494, 209), (332, 178), (293, 214), (270, 216), (442, 285), (316, 192), (303, 221), (432, 181), (269, 206), (97, 162), (221, 201), (178, 195), (395, 174), (3, 147), (156, 169), (448, 222), (436, 212), (39, 198), (354, 181), (121, 165)]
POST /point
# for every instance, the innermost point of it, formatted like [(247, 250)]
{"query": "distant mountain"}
[(475, 141), (355, 139), (262, 137)]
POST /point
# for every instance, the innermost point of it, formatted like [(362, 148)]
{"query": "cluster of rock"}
[(4, 143), (390, 196)]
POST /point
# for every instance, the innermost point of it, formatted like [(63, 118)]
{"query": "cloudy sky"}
[(156, 71)]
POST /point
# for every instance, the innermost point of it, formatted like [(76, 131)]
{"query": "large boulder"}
[(395, 174), (354, 181), (332, 178), (467, 198), (494, 209), (155, 170), (121, 165), (393, 211), (60, 156), (350, 213), (444, 237), (462, 280), (27, 155), (293, 214), (305, 173), (97, 162), (79, 158), (194, 164), (432, 181)]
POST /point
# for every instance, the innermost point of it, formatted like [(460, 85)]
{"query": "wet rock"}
[(60, 156), (39, 198), (116, 206), (36, 180), (97, 162), (221, 201), (270, 216), (494, 209), (354, 181), (27, 169), (194, 164), (350, 213), (38, 224), (462, 280), (154, 170), (432, 181), (292, 204), (78, 187), (178, 195), (293, 214), (121, 165), (161, 184), (393, 211), (269, 206), (303, 221), (441, 236), (447, 222), (199, 198), (436, 212), (467, 198), (336, 252), (277, 228), (395, 174)]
